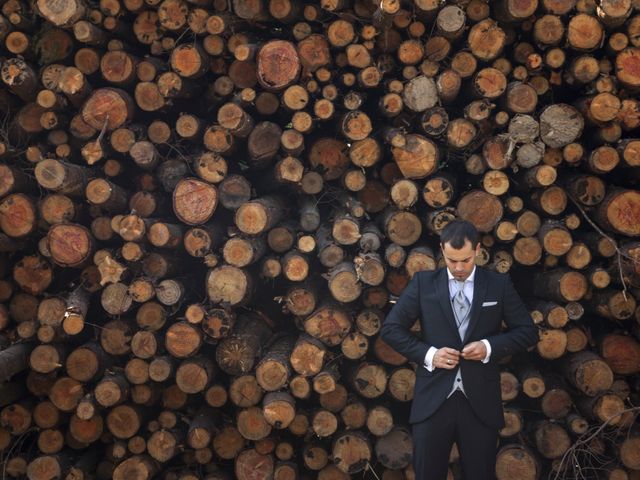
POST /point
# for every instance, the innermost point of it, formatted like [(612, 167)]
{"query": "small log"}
[(218, 280), (278, 409), (237, 353), (307, 356), (486, 40), (70, 245), (560, 124), (621, 353), (484, 218), (417, 158), (194, 374), (552, 343), (343, 283), (617, 210), (516, 457), (588, 372), (611, 304), (18, 217), (402, 227), (273, 371), (552, 440), (201, 241), (33, 274), (137, 466), (20, 78), (62, 177), (561, 285), (331, 156), (250, 463), (259, 215), (183, 340), (584, 32), (394, 448), (48, 466), (108, 108), (605, 407), (63, 14), (351, 452), (240, 252)]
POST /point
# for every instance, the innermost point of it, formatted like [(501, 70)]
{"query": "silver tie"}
[(461, 308), (461, 304)]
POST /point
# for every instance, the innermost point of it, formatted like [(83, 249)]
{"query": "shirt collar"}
[(469, 278)]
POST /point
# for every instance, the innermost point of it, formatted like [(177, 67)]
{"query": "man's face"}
[(460, 262)]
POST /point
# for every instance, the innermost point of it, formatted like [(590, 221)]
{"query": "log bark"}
[(14, 359)]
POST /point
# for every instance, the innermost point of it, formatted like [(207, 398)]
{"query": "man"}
[(457, 391)]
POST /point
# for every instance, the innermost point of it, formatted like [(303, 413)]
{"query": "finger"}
[(450, 362), (470, 347)]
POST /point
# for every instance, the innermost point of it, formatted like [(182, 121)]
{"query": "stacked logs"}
[(208, 207)]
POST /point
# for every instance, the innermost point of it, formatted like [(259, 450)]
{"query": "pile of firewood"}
[(207, 207)]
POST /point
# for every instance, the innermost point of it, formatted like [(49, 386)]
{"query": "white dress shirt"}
[(468, 292)]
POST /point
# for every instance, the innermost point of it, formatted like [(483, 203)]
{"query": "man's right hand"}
[(446, 358)]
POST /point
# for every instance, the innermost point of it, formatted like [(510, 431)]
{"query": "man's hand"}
[(474, 351), (446, 358)]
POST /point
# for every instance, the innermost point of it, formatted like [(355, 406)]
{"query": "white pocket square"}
[(489, 304)]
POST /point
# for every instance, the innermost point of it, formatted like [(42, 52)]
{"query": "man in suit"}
[(457, 392)]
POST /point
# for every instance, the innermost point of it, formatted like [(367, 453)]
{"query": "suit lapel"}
[(442, 290), (479, 293)]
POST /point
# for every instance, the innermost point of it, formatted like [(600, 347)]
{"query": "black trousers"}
[(454, 421)]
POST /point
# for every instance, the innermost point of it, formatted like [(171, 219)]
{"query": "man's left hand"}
[(474, 351)]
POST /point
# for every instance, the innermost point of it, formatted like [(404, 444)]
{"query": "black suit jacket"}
[(427, 297)]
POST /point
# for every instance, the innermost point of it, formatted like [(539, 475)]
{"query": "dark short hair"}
[(457, 232)]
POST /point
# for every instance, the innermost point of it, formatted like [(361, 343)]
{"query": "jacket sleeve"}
[(396, 326), (522, 332)]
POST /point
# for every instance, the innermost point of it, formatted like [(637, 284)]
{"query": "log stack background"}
[(207, 208)]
